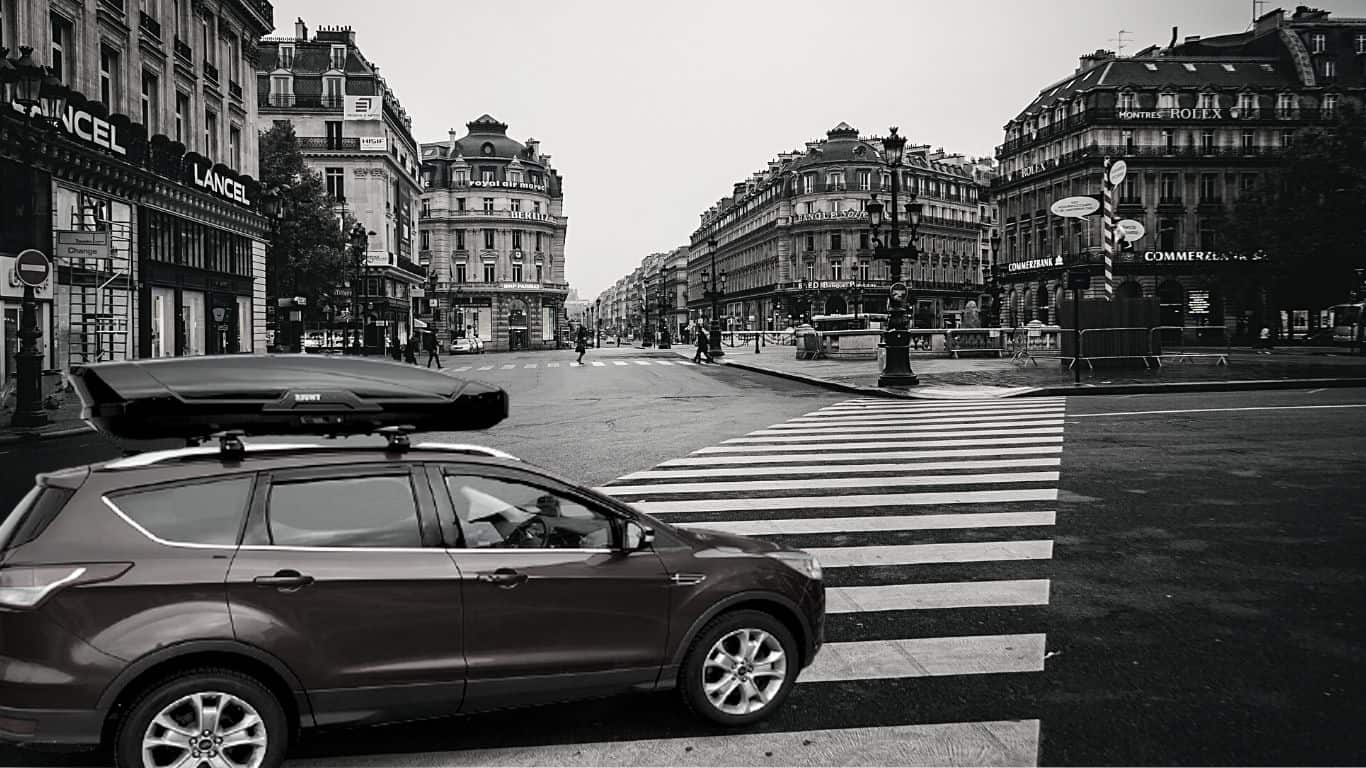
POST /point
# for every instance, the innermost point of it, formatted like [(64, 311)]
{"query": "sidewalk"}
[(64, 420), (947, 378)]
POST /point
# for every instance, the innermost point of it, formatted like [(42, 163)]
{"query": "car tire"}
[(181, 698), (720, 639)]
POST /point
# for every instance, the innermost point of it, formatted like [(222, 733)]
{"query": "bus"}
[(1346, 320)]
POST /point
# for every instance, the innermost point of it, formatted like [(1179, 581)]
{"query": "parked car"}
[(469, 345), (202, 604)]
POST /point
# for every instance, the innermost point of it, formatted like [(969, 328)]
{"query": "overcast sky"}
[(651, 110)]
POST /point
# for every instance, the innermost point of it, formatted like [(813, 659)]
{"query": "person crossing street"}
[(433, 354), (703, 346), (581, 343)]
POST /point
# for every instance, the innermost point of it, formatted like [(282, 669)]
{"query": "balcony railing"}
[(210, 73), (235, 89), (336, 143), (113, 5), (300, 101), (149, 25), (1095, 116), (183, 50), (1119, 151)]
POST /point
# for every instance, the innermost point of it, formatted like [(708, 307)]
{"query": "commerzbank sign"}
[(1176, 256)]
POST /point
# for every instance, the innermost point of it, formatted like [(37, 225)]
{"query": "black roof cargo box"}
[(194, 397)]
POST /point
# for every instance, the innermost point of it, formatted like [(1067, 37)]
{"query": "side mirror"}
[(637, 537)]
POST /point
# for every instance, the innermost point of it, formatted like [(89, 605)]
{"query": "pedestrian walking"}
[(433, 354), (410, 350), (1264, 342), (581, 343), (703, 348)]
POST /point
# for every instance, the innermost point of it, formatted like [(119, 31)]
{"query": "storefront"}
[(509, 316)]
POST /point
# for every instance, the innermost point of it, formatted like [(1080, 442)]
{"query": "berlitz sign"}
[(86, 127)]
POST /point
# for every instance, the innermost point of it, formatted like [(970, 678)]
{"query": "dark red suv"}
[(209, 601)]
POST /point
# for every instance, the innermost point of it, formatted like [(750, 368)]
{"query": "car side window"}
[(194, 513), (503, 514), (375, 511)]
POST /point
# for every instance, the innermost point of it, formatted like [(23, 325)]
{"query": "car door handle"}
[(283, 580), (506, 578)]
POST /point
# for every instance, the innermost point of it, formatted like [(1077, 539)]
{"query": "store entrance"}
[(223, 326)]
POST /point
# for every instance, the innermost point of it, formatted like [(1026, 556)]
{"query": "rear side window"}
[(31, 516), (198, 513), (376, 511)]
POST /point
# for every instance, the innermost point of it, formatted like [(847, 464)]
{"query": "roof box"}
[(192, 398)]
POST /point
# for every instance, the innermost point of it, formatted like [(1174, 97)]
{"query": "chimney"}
[(451, 147), (533, 148), (1091, 59), (300, 30), (1172, 44)]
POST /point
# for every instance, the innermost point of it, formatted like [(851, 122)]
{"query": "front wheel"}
[(205, 717), (740, 668)]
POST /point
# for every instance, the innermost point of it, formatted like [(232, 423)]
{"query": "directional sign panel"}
[(32, 267), (1076, 207)]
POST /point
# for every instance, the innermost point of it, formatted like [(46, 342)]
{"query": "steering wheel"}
[(522, 535)]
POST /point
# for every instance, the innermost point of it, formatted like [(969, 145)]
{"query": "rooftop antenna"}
[(1119, 41), (1258, 8)]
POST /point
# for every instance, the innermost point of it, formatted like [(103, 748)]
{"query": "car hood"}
[(725, 543)]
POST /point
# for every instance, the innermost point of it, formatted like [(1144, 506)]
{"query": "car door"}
[(343, 577), (554, 608)]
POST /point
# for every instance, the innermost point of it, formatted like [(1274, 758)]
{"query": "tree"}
[(307, 254), (1309, 217)]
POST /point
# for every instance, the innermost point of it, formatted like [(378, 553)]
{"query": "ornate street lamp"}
[(712, 292), (597, 318), (359, 239), (897, 338), (993, 285)]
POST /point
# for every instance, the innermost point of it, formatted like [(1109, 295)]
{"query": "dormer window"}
[(338, 58), (515, 177), (1166, 101), (286, 56), (1247, 103), (1318, 42), (1361, 43), (1208, 101), (1285, 105), (1127, 102), (1329, 105)]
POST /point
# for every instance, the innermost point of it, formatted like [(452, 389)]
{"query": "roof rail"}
[(151, 458)]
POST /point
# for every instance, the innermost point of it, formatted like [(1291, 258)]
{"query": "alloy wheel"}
[(744, 671), (205, 730)]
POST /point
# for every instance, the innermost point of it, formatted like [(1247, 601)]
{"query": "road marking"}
[(838, 469), (509, 367), (893, 435), (598, 364), (922, 554), (529, 365), (988, 743), (830, 482), (663, 362), (1221, 410), (460, 370), (926, 657), (930, 406), (850, 429), (486, 368), (847, 502), (879, 523), (618, 362), (893, 444), (930, 412), (711, 461), (685, 362), (552, 365), (953, 594), (990, 416), (641, 362)]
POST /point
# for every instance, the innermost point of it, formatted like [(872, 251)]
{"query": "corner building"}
[(140, 194), (1198, 124), (354, 132), (492, 232), (793, 239)]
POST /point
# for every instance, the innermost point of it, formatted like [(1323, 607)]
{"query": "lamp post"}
[(359, 239), (665, 305), (597, 318), (712, 292), (994, 278), (897, 338), (27, 84)]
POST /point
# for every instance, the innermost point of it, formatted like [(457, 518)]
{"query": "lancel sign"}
[(86, 127), (226, 186)]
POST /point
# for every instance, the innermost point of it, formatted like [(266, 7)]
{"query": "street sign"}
[(1078, 279), (1075, 207), (32, 267), (1118, 170), (73, 245), (1131, 230)]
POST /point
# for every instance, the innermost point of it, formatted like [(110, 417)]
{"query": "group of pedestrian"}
[(423, 340)]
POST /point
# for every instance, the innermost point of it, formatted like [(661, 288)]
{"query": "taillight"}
[(24, 588)]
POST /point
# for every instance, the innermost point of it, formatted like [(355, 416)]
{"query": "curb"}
[(1074, 389), (20, 437)]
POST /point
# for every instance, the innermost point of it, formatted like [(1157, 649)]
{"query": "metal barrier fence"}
[(1191, 342)]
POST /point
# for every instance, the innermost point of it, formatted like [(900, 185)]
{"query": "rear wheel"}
[(740, 668), (205, 718)]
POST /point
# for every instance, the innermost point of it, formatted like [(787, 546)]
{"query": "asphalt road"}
[(1205, 576)]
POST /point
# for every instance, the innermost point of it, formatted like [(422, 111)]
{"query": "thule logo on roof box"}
[(307, 398)]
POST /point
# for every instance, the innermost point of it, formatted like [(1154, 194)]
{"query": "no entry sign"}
[(32, 267)]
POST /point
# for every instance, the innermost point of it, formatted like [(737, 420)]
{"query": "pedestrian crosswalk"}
[(933, 522), (484, 367)]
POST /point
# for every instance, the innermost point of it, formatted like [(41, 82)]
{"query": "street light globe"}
[(874, 211), (894, 145), (913, 210)]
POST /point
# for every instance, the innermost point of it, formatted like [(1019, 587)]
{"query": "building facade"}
[(1198, 123), (493, 229), (355, 133), (793, 240), (141, 193)]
